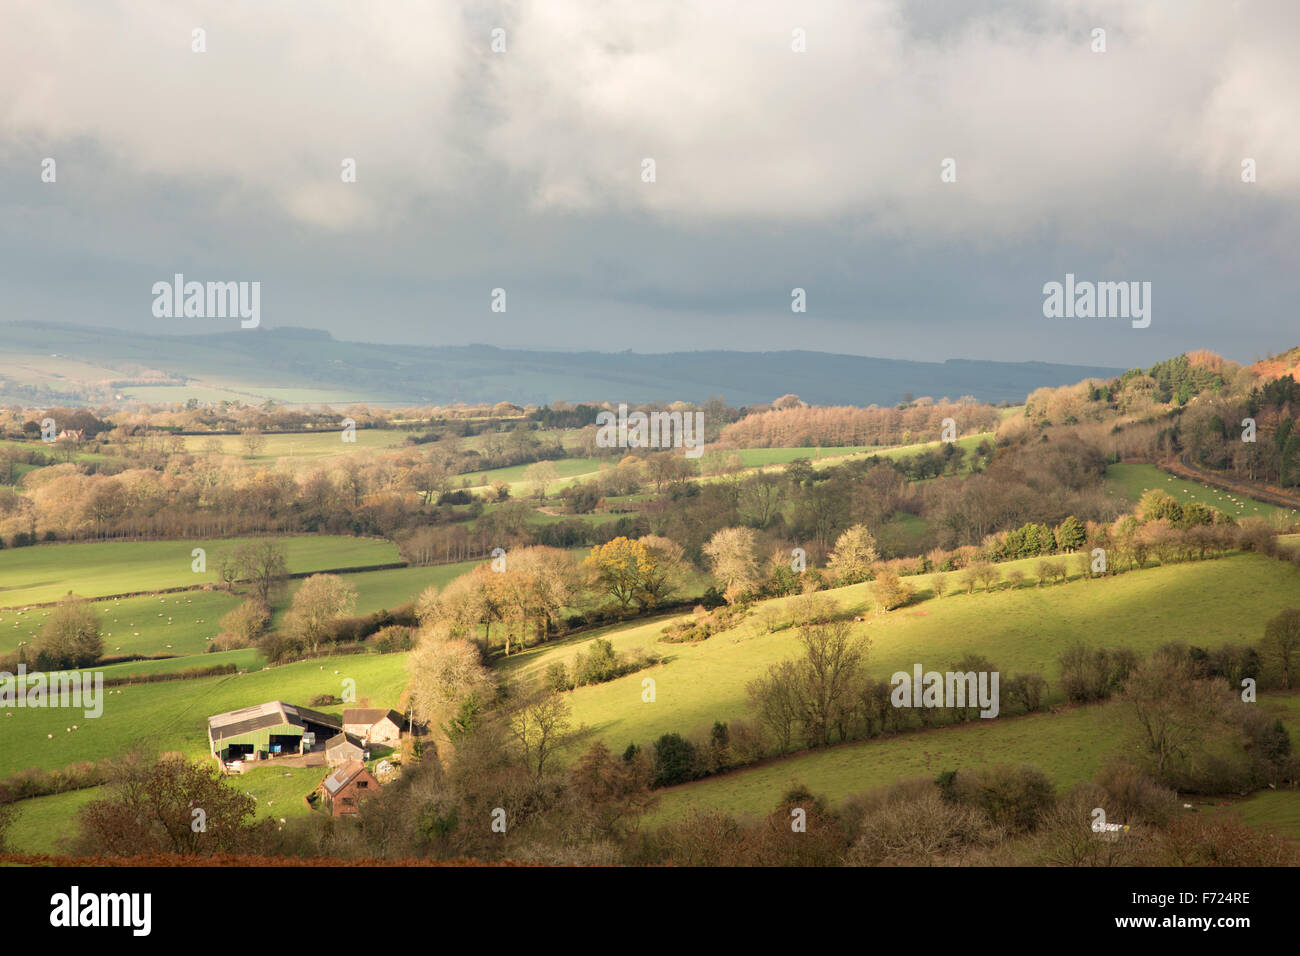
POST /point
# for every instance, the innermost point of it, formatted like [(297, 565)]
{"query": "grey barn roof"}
[(370, 715), (271, 714)]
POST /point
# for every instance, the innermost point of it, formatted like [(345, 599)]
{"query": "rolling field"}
[(1069, 747), (307, 446), (172, 715), (380, 590), (43, 822), (46, 572), (247, 658), (179, 623), (1207, 603), (52, 451), (565, 468), (1130, 481), (757, 457)]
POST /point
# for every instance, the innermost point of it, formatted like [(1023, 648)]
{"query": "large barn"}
[(269, 730)]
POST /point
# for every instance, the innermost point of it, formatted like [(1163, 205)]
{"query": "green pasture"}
[(178, 623), (46, 572), (305, 446), (1070, 747), (1130, 481), (1207, 603)]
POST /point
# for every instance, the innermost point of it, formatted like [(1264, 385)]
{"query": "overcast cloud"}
[(774, 169)]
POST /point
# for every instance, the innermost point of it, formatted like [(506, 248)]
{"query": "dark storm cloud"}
[(775, 170)]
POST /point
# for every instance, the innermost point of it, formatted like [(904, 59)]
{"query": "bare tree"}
[(540, 725), (253, 440)]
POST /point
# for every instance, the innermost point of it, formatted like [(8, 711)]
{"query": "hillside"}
[(54, 363)]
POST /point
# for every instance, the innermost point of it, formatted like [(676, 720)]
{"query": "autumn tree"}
[(645, 571), (445, 673), (243, 624), (616, 791), (733, 559), (889, 590), (319, 601), (855, 552), (168, 805)]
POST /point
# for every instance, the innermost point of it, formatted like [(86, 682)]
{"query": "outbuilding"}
[(374, 725), (268, 730)]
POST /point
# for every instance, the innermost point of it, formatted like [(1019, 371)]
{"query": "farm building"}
[(344, 748), (345, 787), (269, 730), (374, 725)]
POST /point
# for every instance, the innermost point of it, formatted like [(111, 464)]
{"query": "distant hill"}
[(49, 363)]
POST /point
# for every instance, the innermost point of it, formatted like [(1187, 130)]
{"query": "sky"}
[(796, 145)]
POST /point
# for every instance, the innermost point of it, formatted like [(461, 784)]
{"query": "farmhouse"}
[(345, 787), (374, 725), (269, 730)]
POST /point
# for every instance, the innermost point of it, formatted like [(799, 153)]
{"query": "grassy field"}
[(309, 446), (565, 468), (386, 590), (757, 457), (1267, 810), (53, 451), (172, 715), (46, 572), (1129, 482), (1208, 603), (1069, 747), (44, 822), (179, 624), (248, 658)]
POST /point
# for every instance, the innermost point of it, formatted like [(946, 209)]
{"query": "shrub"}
[(70, 636), (556, 678), (1027, 690), (674, 760), (1014, 797), (393, 638), (920, 831), (243, 625)]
